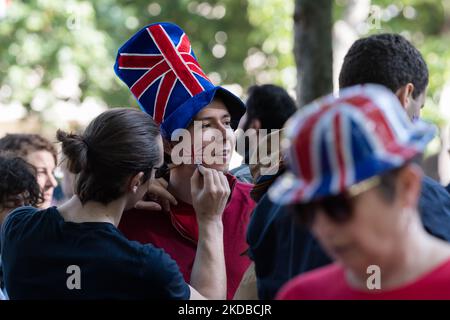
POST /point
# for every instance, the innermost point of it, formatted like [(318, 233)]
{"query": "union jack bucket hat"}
[(161, 70), (336, 143)]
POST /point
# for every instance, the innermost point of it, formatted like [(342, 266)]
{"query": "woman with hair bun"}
[(75, 251)]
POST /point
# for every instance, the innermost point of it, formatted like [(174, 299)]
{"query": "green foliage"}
[(55, 51), (272, 34), (46, 41)]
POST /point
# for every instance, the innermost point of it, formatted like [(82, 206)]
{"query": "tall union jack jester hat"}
[(161, 70), (337, 143)]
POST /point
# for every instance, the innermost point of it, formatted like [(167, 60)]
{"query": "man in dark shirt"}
[(390, 60)]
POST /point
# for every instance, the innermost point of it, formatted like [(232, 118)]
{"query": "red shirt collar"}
[(183, 215)]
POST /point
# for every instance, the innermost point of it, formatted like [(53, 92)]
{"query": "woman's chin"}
[(45, 204)]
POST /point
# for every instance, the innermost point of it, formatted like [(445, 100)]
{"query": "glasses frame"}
[(338, 207)]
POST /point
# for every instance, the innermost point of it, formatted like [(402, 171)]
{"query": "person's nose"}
[(223, 131), (322, 225), (228, 135), (51, 180)]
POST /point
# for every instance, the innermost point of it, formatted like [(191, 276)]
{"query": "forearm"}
[(208, 275)]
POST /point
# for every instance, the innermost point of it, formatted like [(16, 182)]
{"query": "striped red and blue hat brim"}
[(338, 142)]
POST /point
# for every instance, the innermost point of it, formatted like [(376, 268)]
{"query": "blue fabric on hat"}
[(375, 136), (181, 107)]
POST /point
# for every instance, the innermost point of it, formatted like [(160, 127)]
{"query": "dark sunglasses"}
[(338, 208)]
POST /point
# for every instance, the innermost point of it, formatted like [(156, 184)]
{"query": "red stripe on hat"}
[(193, 65), (198, 71), (141, 85), (184, 45), (383, 130), (339, 151), (176, 63), (162, 97), (127, 61)]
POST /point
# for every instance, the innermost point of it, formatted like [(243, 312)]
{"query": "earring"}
[(134, 189)]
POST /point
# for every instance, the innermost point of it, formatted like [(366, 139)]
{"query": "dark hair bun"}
[(75, 151)]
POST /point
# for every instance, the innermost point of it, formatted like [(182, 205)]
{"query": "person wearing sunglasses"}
[(385, 59), (354, 181), (76, 251)]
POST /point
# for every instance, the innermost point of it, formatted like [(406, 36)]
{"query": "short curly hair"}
[(386, 59), (270, 104), (17, 177), (22, 144)]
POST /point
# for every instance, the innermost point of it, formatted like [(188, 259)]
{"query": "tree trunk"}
[(313, 49), (345, 33)]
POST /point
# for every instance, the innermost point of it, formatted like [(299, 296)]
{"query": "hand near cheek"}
[(210, 191)]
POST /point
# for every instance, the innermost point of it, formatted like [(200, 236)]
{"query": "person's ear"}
[(409, 184), (404, 94), (135, 182), (255, 124)]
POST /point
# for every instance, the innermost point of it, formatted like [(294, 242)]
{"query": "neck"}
[(3, 213), (180, 182), (92, 211), (414, 253)]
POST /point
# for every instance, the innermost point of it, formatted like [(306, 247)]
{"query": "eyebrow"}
[(212, 118), (41, 168)]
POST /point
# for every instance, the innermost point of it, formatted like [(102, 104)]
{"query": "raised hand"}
[(210, 191)]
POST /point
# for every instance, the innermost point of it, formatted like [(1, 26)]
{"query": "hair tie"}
[(86, 143)]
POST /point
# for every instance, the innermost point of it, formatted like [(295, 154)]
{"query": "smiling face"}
[(44, 162), (217, 136)]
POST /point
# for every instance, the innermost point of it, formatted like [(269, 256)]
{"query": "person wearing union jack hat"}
[(162, 72), (385, 59), (353, 180)]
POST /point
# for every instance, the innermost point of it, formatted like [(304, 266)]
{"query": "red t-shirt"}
[(329, 283), (177, 232)]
